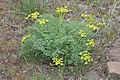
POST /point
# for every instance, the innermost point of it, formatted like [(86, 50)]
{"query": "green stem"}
[(41, 27), (79, 40), (61, 20)]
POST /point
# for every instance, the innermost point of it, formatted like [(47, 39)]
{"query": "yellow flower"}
[(86, 63), (82, 57), (65, 6), (89, 60), (90, 26), (87, 15), (80, 53), (58, 61), (93, 27), (62, 10), (46, 20), (82, 15), (43, 21), (88, 53), (100, 24), (50, 64), (26, 37), (82, 34), (28, 16), (86, 57), (33, 15), (90, 42)]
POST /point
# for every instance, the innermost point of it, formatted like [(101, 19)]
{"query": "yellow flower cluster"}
[(87, 15), (86, 57), (58, 61), (26, 37), (93, 27), (33, 15), (101, 24), (62, 10), (43, 21), (90, 42), (92, 22), (82, 34)]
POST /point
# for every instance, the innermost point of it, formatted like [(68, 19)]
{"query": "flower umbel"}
[(90, 42), (87, 15), (82, 34), (100, 24), (86, 57), (62, 10), (33, 15), (58, 61), (93, 27), (43, 21)]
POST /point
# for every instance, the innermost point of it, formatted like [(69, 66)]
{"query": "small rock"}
[(114, 70), (114, 55), (81, 6), (114, 67), (118, 7), (92, 75)]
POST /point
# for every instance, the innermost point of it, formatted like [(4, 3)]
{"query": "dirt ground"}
[(12, 28)]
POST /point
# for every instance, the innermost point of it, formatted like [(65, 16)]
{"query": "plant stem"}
[(41, 27), (79, 40), (61, 20)]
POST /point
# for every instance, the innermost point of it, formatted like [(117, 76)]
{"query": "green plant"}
[(59, 42), (29, 6)]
